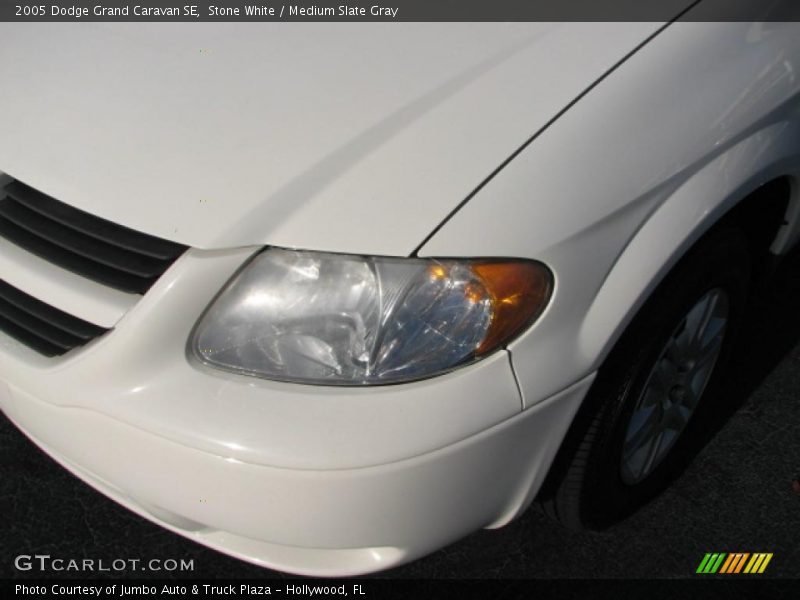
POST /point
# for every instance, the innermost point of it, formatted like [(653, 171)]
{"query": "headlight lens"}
[(351, 320)]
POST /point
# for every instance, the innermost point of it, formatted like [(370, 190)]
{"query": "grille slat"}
[(27, 338), (82, 245), (105, 252), (73, 262), (103, 230), (44, 328), (38, 328), (44, 312)]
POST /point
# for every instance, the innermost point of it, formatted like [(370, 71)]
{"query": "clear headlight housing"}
[(335, 319)]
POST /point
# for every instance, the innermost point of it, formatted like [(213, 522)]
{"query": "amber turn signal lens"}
[(518, 291)]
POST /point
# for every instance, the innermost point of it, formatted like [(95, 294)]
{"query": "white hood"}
[(344, 137)]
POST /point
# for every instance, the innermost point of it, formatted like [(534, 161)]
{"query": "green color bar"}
[(718, 563), (703, 563), (711, 562)]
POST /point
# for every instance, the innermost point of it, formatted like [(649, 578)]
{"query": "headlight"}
[(351, 320)]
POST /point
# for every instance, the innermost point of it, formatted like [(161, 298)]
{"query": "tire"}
[(596, 480)]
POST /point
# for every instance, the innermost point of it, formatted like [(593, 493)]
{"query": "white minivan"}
[(327, 297)]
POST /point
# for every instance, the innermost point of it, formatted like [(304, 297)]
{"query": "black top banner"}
[(399, 10)]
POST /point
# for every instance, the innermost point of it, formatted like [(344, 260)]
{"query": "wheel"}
[(650, 407)]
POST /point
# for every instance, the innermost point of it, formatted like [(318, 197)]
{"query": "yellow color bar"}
[(764, 564), (758, 563), (754, 563)]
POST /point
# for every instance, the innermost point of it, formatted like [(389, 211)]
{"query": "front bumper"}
[(310, 480), (323, 523)]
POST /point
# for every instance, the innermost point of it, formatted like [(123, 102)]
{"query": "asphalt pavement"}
[(737, 496)]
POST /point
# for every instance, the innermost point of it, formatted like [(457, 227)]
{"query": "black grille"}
[(41, 326), (87, 245)]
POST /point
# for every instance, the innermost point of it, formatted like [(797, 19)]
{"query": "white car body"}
[(603, 150)]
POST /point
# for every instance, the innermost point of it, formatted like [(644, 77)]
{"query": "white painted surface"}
[(318, 136)]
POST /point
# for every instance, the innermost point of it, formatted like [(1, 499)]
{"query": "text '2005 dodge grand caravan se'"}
[(327, 297)]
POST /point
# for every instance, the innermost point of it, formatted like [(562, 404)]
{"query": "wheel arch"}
[(760, 196)]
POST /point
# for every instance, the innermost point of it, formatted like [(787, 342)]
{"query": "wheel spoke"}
[(653, 396), (663, 376), (648, 427), (691, 397), (674, 418), (712, 337), (652, 454), (700, 321), (711, 347), (678, 347), (700, 375)]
